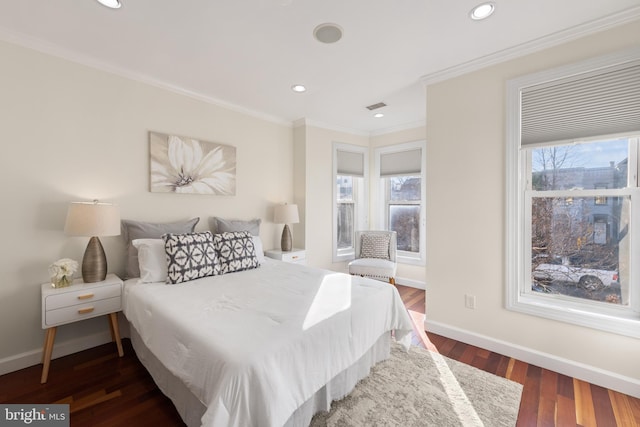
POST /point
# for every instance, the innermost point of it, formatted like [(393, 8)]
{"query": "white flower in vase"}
[(62, 272)]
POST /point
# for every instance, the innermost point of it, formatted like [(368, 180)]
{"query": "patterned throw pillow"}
[(235, 251), (374, 246), (189, 256)]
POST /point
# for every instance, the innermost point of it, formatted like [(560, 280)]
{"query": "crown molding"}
[(563, 36), (299, 122), (308, 122), (400, 128), (48, 48)]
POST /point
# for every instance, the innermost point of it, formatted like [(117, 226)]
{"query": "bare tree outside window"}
[(404, 194), (346, 212), (575, 239)]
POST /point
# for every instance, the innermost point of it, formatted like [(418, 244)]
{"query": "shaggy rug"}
[(423, 388)]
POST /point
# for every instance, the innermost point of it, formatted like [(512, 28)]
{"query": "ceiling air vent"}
[(376, 106)]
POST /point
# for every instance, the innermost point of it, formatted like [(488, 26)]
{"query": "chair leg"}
[(392, 280)]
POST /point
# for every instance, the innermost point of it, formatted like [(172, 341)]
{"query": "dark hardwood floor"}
[(548, 398), (105, 390)]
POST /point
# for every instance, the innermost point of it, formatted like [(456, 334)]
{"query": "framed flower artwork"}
[(180, 164)]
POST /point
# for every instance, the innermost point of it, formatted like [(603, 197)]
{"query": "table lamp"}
[(286, 214), (93, 219)]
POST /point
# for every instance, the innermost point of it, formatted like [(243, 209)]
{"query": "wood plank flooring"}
[(105, 390), (548, 398)]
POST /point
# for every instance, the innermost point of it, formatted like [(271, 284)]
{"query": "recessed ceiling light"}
[(327, 33), (482, 11), (298, 88), (378, 115), (113, 4)]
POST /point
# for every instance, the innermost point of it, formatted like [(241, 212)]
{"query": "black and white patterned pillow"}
[(190, 256), (374, 246), (235, 251)]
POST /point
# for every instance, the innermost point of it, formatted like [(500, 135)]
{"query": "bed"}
[(268, 346)]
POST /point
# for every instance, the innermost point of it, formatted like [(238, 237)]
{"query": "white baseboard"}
[(64, 348), (601, 377), (411, 283), (60, 349)]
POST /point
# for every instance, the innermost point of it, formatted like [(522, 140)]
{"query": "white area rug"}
[(423, 388)]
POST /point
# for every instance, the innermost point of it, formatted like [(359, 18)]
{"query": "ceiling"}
[(246, 54)]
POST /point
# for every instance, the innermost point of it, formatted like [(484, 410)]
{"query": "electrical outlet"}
[(470, 301)]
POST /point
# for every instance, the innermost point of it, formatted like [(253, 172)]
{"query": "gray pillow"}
[(374, 246), (132, 230), (231, 225)]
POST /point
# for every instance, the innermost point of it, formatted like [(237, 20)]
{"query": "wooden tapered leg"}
[(49, 339), (392, 280), (113, 335), (115, 332), (44, 344)]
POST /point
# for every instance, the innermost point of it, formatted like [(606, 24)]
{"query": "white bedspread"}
[(254, 345)]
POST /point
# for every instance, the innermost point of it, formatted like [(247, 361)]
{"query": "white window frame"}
[(361, 192), (518, 238), (382, 202)]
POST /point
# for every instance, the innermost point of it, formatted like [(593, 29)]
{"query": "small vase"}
[(62, 282)]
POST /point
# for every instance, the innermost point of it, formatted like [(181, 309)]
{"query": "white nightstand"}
[(296, 256), (76, 302)]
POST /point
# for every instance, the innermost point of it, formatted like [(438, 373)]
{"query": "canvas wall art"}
[(185, 165)]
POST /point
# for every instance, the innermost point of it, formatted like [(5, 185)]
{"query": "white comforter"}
[(254, 345)]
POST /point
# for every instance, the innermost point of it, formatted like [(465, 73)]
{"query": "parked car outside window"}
[(589, 278)]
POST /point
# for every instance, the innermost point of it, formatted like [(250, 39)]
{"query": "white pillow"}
[(257, 243), (152, 260)]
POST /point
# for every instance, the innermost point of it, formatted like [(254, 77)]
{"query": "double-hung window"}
[(400, 176), (573, 196), (350, 207)]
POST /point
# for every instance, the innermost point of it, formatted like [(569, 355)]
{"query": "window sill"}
[(344, 257), (410, 260), (627, 326)]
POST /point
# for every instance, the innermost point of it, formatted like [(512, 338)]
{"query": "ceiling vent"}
[(376, 106)]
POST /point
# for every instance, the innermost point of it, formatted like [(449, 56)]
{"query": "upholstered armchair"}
[(375, 255)]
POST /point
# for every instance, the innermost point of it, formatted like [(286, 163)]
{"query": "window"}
[(403, 198), (573, 220), (400, 177), (346, 199), (350, 163)]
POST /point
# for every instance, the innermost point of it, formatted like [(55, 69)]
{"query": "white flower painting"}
[(186, 165)]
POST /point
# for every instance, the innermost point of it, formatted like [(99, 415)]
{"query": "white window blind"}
[(350, 163), (401, 163), (601, 102)]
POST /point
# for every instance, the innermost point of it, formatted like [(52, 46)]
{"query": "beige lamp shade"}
[(286, 214), (92, 219)]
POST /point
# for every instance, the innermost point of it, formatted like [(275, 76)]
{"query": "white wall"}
[(466, 213), (73, 133), (300, 183), (318, 146)]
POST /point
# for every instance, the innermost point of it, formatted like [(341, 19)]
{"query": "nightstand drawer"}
[(298, 256), (82, 311), (81, 296), (295, 256)]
